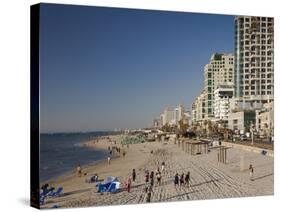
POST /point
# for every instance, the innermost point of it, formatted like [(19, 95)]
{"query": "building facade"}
[(198, 108), (241, 121), (265, 120), (168, 116), (223, 95), (219, 70), (254, 72)]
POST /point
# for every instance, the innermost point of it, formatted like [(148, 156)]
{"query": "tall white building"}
[(219, 70), (178, 113), (254, 71), (168, 115)]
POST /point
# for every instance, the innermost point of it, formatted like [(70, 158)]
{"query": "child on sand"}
[(251, 169)]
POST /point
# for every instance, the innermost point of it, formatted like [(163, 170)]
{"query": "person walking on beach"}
[(162, 166), (149, 191), (134, 175), (182, 179), (79, 170), (108, 160), (128, 184), (251, 170), (146, 176), (152, 178), (187, 179), (158, 177), (176, 180)]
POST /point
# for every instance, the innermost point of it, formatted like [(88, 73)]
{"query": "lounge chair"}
[(56, 193)]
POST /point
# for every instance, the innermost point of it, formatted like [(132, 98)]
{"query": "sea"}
[(60, 153)]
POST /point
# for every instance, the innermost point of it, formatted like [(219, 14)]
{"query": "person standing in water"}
[(79, 170)]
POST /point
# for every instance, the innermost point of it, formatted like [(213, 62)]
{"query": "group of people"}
[(149, 176), (149, 180), (182, 180)]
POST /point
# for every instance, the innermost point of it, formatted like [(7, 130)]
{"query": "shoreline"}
[(88, 144)]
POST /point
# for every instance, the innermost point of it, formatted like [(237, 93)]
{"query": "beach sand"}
[(209, 179)]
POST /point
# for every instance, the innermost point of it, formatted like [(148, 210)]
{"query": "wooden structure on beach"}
[(222, 154), (193, 147)]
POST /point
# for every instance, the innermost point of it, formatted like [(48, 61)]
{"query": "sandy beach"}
[(209, 179)]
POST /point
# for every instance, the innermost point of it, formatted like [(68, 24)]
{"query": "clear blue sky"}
[(106, 68)]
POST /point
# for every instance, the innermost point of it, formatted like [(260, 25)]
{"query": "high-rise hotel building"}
[(219, 71), (254, 54)]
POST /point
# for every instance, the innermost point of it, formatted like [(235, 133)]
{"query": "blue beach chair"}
[(56, 193)]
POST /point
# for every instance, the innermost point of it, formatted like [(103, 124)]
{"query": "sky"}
[(105, 68)]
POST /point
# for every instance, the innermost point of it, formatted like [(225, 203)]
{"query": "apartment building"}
[(254, 54), (223, 94), (219, 70), (198, 108)]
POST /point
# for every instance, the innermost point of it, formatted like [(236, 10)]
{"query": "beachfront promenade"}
[(209, 179)]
